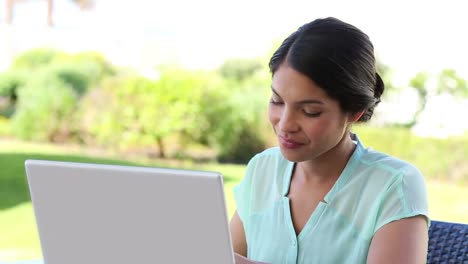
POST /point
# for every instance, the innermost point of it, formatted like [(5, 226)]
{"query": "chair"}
[(448, 243)]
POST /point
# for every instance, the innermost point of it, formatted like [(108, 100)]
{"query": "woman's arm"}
[(402, 241), (238, 235)]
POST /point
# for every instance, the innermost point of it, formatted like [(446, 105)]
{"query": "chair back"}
[(448, 243)]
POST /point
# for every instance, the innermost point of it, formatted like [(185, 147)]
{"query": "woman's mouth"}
[(288, 143)]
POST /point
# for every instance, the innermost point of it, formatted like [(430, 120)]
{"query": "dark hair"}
[(339, 58)]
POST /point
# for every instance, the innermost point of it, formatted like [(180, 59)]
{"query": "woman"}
[(322, 197)]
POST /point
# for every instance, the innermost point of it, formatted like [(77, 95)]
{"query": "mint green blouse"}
[(374, 189)]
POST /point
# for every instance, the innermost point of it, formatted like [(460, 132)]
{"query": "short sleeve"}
[(405, 197), (242, 191)]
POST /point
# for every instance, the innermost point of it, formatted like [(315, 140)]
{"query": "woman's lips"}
[(288, 143)]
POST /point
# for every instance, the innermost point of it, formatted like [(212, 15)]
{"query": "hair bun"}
[(379, 87)]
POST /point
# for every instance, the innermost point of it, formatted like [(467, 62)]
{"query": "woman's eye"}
[(275, 102), (311, 113)]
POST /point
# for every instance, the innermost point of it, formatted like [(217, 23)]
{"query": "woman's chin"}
[(292, 155)]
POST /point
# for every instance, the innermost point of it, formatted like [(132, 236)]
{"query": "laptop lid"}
[(92, 213)]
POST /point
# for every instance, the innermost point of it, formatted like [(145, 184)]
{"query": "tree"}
[(140, 112), (420, 83), (446, 82), (171, 105), (450, 82)]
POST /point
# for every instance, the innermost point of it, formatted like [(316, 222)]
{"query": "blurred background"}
[(185, 84)]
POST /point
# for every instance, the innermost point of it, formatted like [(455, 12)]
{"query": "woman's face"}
[(307, 122)]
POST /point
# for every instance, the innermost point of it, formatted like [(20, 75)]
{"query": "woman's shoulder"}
[(383, 161)]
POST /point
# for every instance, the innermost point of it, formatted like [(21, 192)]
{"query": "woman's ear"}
[(355, 117)]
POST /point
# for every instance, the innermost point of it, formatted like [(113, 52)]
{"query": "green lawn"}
[(18, 234)]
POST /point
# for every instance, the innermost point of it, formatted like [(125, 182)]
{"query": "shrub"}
[(142, 112), (49, 95), (93, 65), (233, 117), (44, 108), (10, 81), (36, 58), (81, 70)]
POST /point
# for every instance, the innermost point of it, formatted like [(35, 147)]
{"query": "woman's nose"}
[(288, 122)]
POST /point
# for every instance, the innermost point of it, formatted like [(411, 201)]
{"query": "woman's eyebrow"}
[(273, 90), (312, 101), (307, 101)]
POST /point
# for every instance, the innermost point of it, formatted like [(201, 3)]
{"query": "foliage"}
[(81, 70), (248, 122), (103, 120), (91, 64), (235, 113), (36, 58), (450, 82), (240, 69), (10, 81), (46, 85), (447, 82), (73, 75), (43, 109), (240, 150), (419, 82), (143, 112)]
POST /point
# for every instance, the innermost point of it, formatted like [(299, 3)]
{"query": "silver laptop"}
[(99, 214)]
